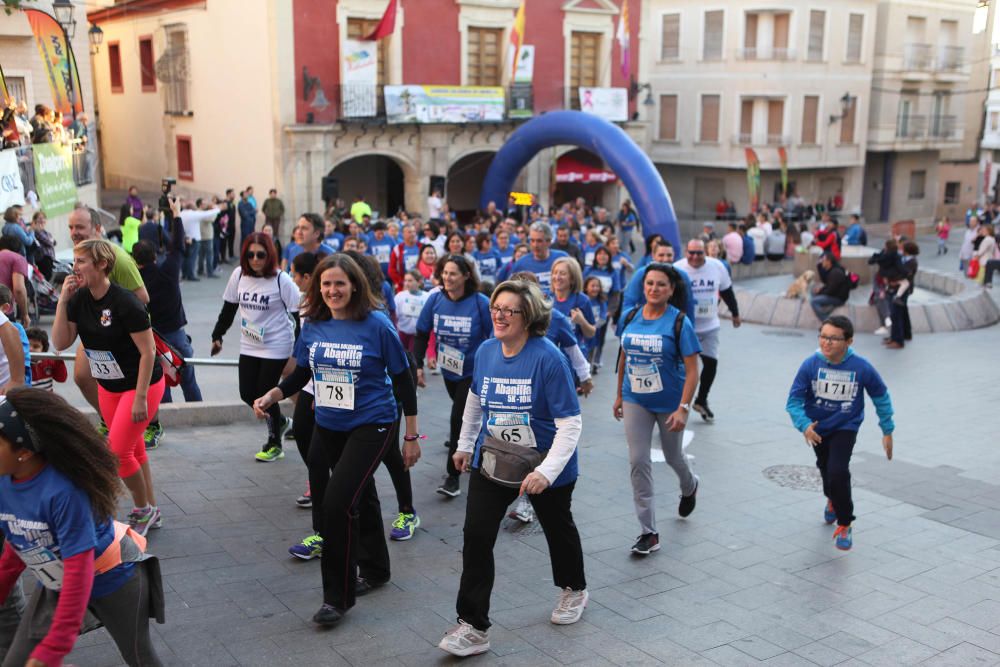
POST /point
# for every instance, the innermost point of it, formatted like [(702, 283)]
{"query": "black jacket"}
[(835, 282)]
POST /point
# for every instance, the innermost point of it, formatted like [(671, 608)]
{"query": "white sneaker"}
[(888, 322), (465, 640), (882, 331), (570, 607)]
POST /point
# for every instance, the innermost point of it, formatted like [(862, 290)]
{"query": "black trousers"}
[(901, 330), (709, 366), (833, 458), (346, 507), (458, 390), (484, 510), (398, 473), (257, 377)]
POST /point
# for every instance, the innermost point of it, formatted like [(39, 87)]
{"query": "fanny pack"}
[(506, 464)]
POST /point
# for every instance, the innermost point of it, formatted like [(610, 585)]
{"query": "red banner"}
[(64, 80), (753, 178)]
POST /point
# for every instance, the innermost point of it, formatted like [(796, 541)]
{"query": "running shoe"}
[(882, 331), (141, 520), (842, 538), (286, 428), (305, 501), (450, 487), (404, 526), (152, 436), (828, 514), (646, 544), (522, 511), (308, 548), (686, 505), (158, 522), (570, 606), (464, 640), (272, 452), (702, 409), (364, 586), (327, 616), (103, 429)]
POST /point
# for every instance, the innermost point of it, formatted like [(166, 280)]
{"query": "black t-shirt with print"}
[(105, 327)]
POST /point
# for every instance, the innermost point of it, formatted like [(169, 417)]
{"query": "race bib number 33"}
[(104, 366)]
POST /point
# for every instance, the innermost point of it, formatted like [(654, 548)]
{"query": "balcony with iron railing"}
[(927, 129), (944, 128), (911, 127), (950, 58), (761, 139), (366, 104), (773, 53), (918, 58)]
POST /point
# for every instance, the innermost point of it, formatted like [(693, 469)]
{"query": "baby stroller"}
[(42, 295)]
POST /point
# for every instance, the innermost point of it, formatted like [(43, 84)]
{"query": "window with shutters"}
[(918, 183), (848, 121), (147, 66), (746, 122), (361, 28), (817, 25), (709, 119), (172, 70), (750, 36), (668, 117), (115, 67), (17, 88), (671, 42), (810, 113), (484, 60), (779, 43), (775, 122), (855, 34), (712, 39), (185, 159), (585, 53)]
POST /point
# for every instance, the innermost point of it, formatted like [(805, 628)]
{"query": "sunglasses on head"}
[(260, 254)]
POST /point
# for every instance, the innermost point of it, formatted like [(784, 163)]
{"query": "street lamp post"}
[(63, 10)]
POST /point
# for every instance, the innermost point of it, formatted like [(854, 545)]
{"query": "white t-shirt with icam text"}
[(266, 331)]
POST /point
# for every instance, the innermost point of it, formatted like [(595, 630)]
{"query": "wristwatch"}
[(686, 406)]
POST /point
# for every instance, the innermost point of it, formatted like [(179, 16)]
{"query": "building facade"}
[(920, 89), (745, 74), (264, 101), (27, 79)]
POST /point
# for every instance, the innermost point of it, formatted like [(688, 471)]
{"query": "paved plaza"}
[(752, 575)]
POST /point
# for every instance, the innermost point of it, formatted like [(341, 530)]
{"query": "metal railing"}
[(194, 361), (365, 103), (944, 127), (917, 57), (780, 53), (911, 127), (950, 58), (83, 164), (756, 139)]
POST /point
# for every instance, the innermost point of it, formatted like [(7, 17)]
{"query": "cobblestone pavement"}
[(752, 575)]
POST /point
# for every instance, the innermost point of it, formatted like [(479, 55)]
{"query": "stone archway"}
[(464, 182), (380, 178)]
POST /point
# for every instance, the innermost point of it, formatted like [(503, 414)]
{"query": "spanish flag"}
[(516, 39), (387, 25)]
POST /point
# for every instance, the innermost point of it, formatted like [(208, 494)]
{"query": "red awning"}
[(571, 170)]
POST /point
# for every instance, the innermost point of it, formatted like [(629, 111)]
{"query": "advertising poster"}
[(608, 103), (54, 178), (444, 104)]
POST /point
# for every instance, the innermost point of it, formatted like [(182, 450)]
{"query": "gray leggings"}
[(125, 614), (639, 424)]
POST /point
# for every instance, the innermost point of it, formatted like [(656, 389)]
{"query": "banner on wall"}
[(753, 178), (444, 104), (11, 188), (608, 103), (359, 78), (525, 71), (60, 65), (54, 178), (783, 161)]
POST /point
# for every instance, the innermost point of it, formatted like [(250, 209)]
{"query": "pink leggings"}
[(124, 435)]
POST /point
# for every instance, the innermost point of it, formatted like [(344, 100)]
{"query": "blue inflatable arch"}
[(575, 128)]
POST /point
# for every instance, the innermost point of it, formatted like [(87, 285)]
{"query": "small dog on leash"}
[(799, 289)]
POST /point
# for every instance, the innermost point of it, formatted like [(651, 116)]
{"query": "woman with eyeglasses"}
[(458, 316), (267, 301), (657, 376), (521, 392)]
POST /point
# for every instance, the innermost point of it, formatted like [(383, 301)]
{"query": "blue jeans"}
[(824, 304), (190, 260), (192, 392), (205, 263)]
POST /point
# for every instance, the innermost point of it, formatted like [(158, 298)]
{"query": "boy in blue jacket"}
[(827, 404)]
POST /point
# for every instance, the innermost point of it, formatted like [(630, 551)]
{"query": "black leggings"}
[(257, 377), (347, 509), (708, 368), (304, 420), (458, 390)]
